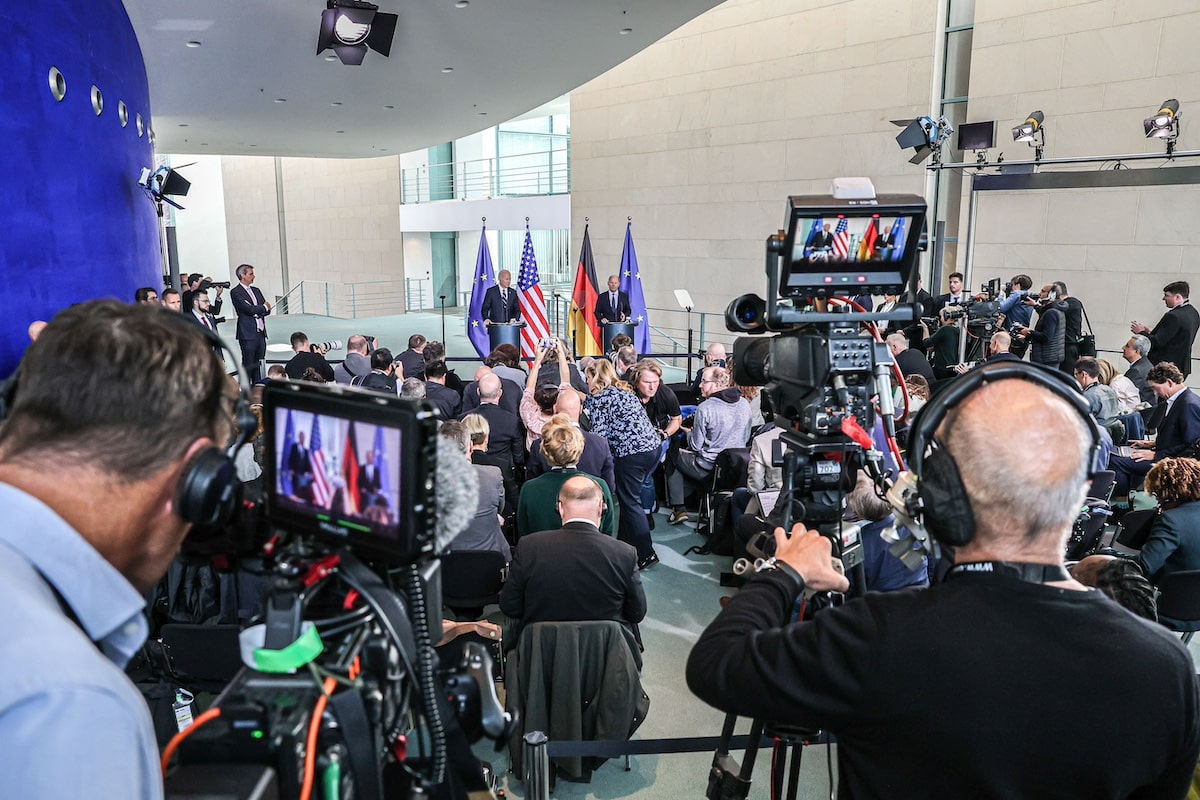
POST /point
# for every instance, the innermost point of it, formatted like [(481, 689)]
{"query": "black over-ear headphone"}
[(932, 493), (209, 490)]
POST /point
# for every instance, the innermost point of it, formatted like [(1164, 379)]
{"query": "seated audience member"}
[(357, 361), (562, 446), (882, 571), (714, 356), (436, 351), (505, 361), (1174, 541), (480, 431), (305, 359), (412, 389), (614, 347), (624, 362), (575, 572), (1121, 580), (1134, 352), (510, 393), (998, 350), (446, 399), (549, 373), (1128, 396), (918, 393), (483, 531), (382, 377), (597, 459), (721, 422), (910, 362), (276, 372), (537, 402), (413, 359), (506, 437), (942, 345), (312, 376), (1102, 400), (1179, 429)]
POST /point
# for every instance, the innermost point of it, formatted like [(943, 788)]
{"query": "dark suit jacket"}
[(191, 317), (447, 400), (597, 460), (496, 310), (482, 459), (413, 363), (1173, 544), (1180, 427), (1172, 338), (510, 396), (821, 239), (300, 362), (248, 304), (1137, 373), (914, 362), (574, 573), (605, 310), (507, 437)]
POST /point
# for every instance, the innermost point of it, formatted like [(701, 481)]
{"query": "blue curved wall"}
[(76, 226)]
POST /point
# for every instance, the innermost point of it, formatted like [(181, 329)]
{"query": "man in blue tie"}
[(500, 303), (613, 305)]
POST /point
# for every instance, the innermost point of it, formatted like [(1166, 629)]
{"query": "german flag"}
[(585, 331)]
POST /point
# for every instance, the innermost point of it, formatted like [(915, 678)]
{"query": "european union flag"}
[(289, 439), (897, 238), (631, 284), (483, 279)]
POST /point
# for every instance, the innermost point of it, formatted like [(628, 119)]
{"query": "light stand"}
[(442, 297), (684, 299)]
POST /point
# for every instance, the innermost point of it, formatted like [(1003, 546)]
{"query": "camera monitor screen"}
[(850, 247), (350, 466), (977, 135)]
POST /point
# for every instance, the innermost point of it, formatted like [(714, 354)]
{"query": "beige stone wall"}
[(1096, 70), (701, 137), (341, 218)]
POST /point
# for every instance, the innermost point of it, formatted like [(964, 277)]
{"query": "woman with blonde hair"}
[(618, 416), (1127, 394), (562, 447)]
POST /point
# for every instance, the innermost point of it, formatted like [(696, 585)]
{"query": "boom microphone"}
[(455, 494)]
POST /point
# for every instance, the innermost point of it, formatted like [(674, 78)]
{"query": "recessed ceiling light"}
[(483, 113), (447, 69), (625, 31), (193, 43), (204, 144), (339, 131), (336, 103), (280, 99), (331, 58), (389, 108), (183, 124), (462, 3)]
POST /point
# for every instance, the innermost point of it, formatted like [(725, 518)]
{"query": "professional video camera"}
[(820, 372), (344, 686)]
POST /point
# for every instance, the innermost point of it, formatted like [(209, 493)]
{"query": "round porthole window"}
[(140, 128), (97, 100), (122, 113), (58, 84)]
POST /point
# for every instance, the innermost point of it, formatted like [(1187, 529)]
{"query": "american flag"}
[(320, 486), (841, 239), (533, 302)]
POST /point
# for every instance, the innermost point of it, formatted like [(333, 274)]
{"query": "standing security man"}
[(1009, 648), (251, 308)]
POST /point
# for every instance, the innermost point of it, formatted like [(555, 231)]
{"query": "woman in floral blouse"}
[(618, 416)]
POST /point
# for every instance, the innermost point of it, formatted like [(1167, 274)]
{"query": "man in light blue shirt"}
[(113, 403)]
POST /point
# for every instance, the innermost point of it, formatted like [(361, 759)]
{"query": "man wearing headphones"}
[(970, 687), (99, 460)]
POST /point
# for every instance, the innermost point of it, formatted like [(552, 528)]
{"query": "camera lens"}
[(747, 314)]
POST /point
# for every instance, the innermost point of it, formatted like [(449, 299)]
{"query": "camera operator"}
[(1017, 313), (1048, 337), (998, 645), (196, 284), (307, 356), (358, 359), (943, 344), (112, 405)]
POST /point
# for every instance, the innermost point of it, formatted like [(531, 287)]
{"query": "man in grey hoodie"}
[(721, 421), (357, 361)]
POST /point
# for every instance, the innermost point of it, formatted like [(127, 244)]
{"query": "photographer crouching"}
[(991, 683)]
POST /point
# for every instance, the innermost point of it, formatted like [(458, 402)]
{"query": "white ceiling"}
[(508, 56)]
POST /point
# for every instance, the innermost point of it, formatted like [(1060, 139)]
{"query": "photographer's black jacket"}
[(981, 687)]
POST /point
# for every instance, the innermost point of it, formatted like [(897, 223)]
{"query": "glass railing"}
[(525, 175)]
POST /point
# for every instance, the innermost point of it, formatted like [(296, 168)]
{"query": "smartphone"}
[(547, 344)]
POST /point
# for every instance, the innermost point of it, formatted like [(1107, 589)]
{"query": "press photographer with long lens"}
[(94, 457), (970, 688)]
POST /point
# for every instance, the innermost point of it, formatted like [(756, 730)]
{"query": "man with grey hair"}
[(1002, 637), (413, 389), (720, 422), (910, 362), (1135, 352)]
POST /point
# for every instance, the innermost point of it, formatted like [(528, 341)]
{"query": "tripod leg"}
[(794, 770)]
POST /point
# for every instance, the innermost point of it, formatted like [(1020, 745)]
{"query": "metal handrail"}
[(500, 176)]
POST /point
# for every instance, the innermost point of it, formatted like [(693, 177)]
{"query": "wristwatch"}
[(774, 564)]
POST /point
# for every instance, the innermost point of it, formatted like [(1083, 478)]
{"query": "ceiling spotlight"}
[(351, 27), (1033, 131), (1164, 124), (193, 44), (925, 136)]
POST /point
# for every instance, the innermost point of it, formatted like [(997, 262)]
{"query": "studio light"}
[(925, 136), (163, 183), (351, 27), (1164, 124), (1033, 131)]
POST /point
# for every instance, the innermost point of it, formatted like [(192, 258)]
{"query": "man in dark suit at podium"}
[(822, 239), (613, 305), (500, 303)]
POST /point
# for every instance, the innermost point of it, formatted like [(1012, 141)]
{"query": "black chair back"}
[(1179, 601), (1135, 527), (1102, 485), (471, 580)]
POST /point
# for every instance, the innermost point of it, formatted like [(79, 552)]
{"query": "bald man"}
[(507, 437), (1013, 644), (510, 393), (597, 458), (575, 572)]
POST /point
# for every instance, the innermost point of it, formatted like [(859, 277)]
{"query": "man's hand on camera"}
[(810, 554)]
